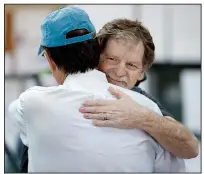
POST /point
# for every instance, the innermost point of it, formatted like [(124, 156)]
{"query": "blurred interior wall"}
[(175, 28), (23, 38)]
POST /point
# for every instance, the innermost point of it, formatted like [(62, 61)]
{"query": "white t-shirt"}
[(60, 139)]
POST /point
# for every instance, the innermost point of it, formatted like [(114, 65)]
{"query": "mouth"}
[(113, 79), (122, 83)]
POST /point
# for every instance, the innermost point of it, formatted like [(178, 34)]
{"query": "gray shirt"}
[(162, 109)]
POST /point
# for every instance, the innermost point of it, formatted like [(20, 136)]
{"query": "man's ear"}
[(51, 62)]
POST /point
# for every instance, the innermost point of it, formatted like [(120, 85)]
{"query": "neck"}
[(61, 78)]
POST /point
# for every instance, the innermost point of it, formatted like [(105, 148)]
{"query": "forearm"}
[(125, 113), (173, 136)]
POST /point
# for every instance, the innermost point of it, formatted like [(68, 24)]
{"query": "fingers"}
[(114, 92), (117, 93), (93, 109), (106, 123), (99, 116), (98, 120)]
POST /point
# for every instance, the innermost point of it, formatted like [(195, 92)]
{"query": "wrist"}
[(150, 120)]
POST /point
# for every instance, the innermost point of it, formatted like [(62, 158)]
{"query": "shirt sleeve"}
[(166, 162), (16, 112), (163, 110)]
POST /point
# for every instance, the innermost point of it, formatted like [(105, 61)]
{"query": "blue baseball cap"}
[(58, 23)]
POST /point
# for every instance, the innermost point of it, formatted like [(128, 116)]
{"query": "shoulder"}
[(37, 90), (152, 101), (141, 91), (142, 99), (145, 101), (145, 94), (36, 95), (161, 107)]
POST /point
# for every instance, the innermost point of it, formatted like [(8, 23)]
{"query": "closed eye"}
[(132, 65), (111, 58)]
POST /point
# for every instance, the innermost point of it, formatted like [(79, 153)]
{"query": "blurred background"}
[(174, 79)]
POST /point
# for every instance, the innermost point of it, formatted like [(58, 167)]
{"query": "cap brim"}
[(40, 50)]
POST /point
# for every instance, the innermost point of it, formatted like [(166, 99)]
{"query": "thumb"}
[(117, 93)]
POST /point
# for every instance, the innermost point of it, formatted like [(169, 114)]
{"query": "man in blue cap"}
[(59, 139)]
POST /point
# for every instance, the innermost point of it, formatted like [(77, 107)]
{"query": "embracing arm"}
[(127, 114), (170, 134)]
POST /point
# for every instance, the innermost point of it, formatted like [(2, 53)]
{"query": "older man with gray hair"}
[(128, 51)]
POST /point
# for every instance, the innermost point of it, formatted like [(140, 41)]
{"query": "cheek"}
[(132, 78), (103, 66)]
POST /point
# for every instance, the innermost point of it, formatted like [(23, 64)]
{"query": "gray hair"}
[(130, 31)]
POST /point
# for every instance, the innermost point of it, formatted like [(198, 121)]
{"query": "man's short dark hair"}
[(77, 57)]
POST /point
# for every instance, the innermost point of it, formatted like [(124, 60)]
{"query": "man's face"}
[(121, 61)]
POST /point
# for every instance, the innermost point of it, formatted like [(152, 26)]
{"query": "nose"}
[(120, 70)]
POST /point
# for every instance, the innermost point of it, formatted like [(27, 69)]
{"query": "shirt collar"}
[(94, 75)]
